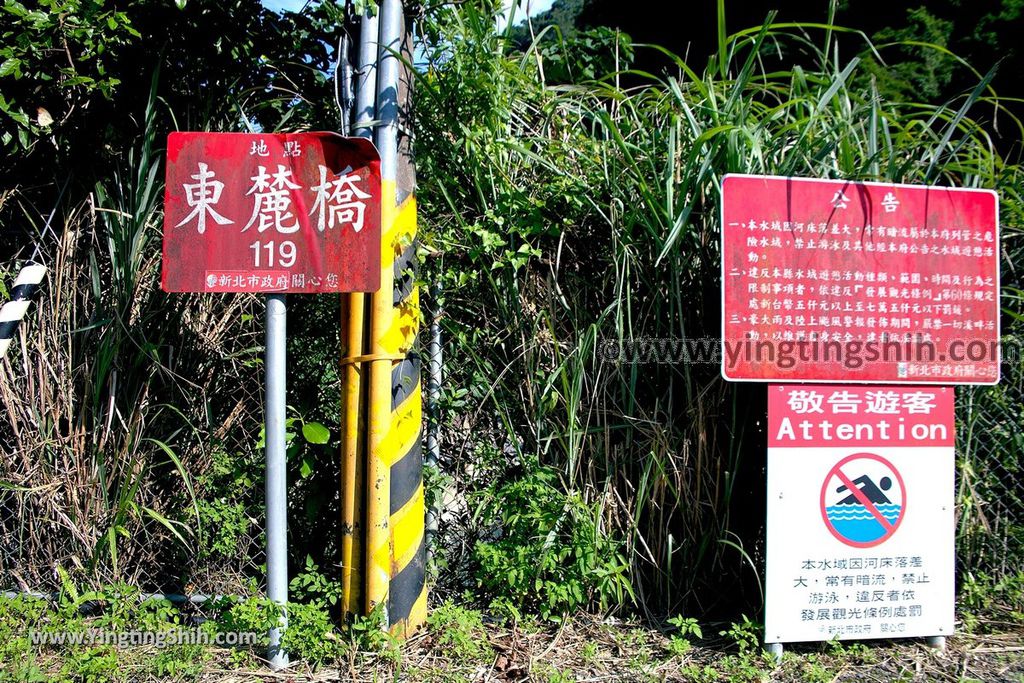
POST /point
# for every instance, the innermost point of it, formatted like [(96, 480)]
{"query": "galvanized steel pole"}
[(353, 498), (366, 80), (386, 138), (276, 477), (379, 554)]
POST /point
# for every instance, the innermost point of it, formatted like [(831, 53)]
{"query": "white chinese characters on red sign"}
[(271, 213), (858, 282), (895, 416)]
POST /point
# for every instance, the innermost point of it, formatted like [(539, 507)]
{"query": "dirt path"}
[(589, 650)]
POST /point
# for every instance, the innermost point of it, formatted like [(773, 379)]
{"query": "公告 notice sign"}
[(271, 213), (860, 512), (837, 281)]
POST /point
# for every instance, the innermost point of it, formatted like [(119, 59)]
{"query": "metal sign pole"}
[(379, 551), (354, 320), (276, 477)]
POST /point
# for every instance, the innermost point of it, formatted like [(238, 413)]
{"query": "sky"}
[(281, 5), (535, 6)]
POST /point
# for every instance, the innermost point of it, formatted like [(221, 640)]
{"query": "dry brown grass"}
[(91, 392), (589, 650)]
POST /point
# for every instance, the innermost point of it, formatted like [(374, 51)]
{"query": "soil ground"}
[(589, 649)]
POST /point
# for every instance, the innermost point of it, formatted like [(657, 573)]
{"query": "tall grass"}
[(106, 421), (571, 216), (130, 421)]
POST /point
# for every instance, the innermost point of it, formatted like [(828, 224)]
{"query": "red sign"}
[(274, 212), (819, 416), (831, 280)]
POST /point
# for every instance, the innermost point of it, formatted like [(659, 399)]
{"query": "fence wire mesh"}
[(128, 430), (990, 485)]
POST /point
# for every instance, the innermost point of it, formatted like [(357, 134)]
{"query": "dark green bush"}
[(549, 553)]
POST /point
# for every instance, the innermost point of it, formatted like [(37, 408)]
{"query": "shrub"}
[(549, 552)]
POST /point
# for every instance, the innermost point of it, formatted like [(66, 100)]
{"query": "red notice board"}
[(271, 213), (839, 281)]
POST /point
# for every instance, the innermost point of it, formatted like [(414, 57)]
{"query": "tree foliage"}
[(53, 59), (75, 75)]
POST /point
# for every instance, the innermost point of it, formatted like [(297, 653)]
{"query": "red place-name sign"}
[(296, 212), (839, 281)]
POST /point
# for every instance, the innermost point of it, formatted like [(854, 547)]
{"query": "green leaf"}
[(173, 526), (10, 66), (314, 432)]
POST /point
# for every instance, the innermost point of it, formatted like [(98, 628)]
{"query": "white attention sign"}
[(860, 512)]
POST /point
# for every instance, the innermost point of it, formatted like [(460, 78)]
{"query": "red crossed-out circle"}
[(837, 472)]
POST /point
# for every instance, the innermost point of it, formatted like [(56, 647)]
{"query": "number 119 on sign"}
[(280, 254)]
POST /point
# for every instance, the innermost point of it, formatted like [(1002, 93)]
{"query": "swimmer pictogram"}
[(863, 500)]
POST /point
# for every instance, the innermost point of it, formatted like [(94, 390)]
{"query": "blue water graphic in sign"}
[(855, 522)]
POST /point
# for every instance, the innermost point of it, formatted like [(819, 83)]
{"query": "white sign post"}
[(860, 526)]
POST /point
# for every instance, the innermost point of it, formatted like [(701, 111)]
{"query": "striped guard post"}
[(13, 311), (407, 595), (407, 598)]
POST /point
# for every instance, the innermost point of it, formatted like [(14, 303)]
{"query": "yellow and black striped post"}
[(12, 312), (382, 497)]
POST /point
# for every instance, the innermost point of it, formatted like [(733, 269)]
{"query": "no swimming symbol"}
[(863, 500)]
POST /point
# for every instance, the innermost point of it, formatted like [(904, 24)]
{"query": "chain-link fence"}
[(990, 487), (129, 428)]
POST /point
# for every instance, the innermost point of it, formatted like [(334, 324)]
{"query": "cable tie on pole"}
[(371, 357)]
